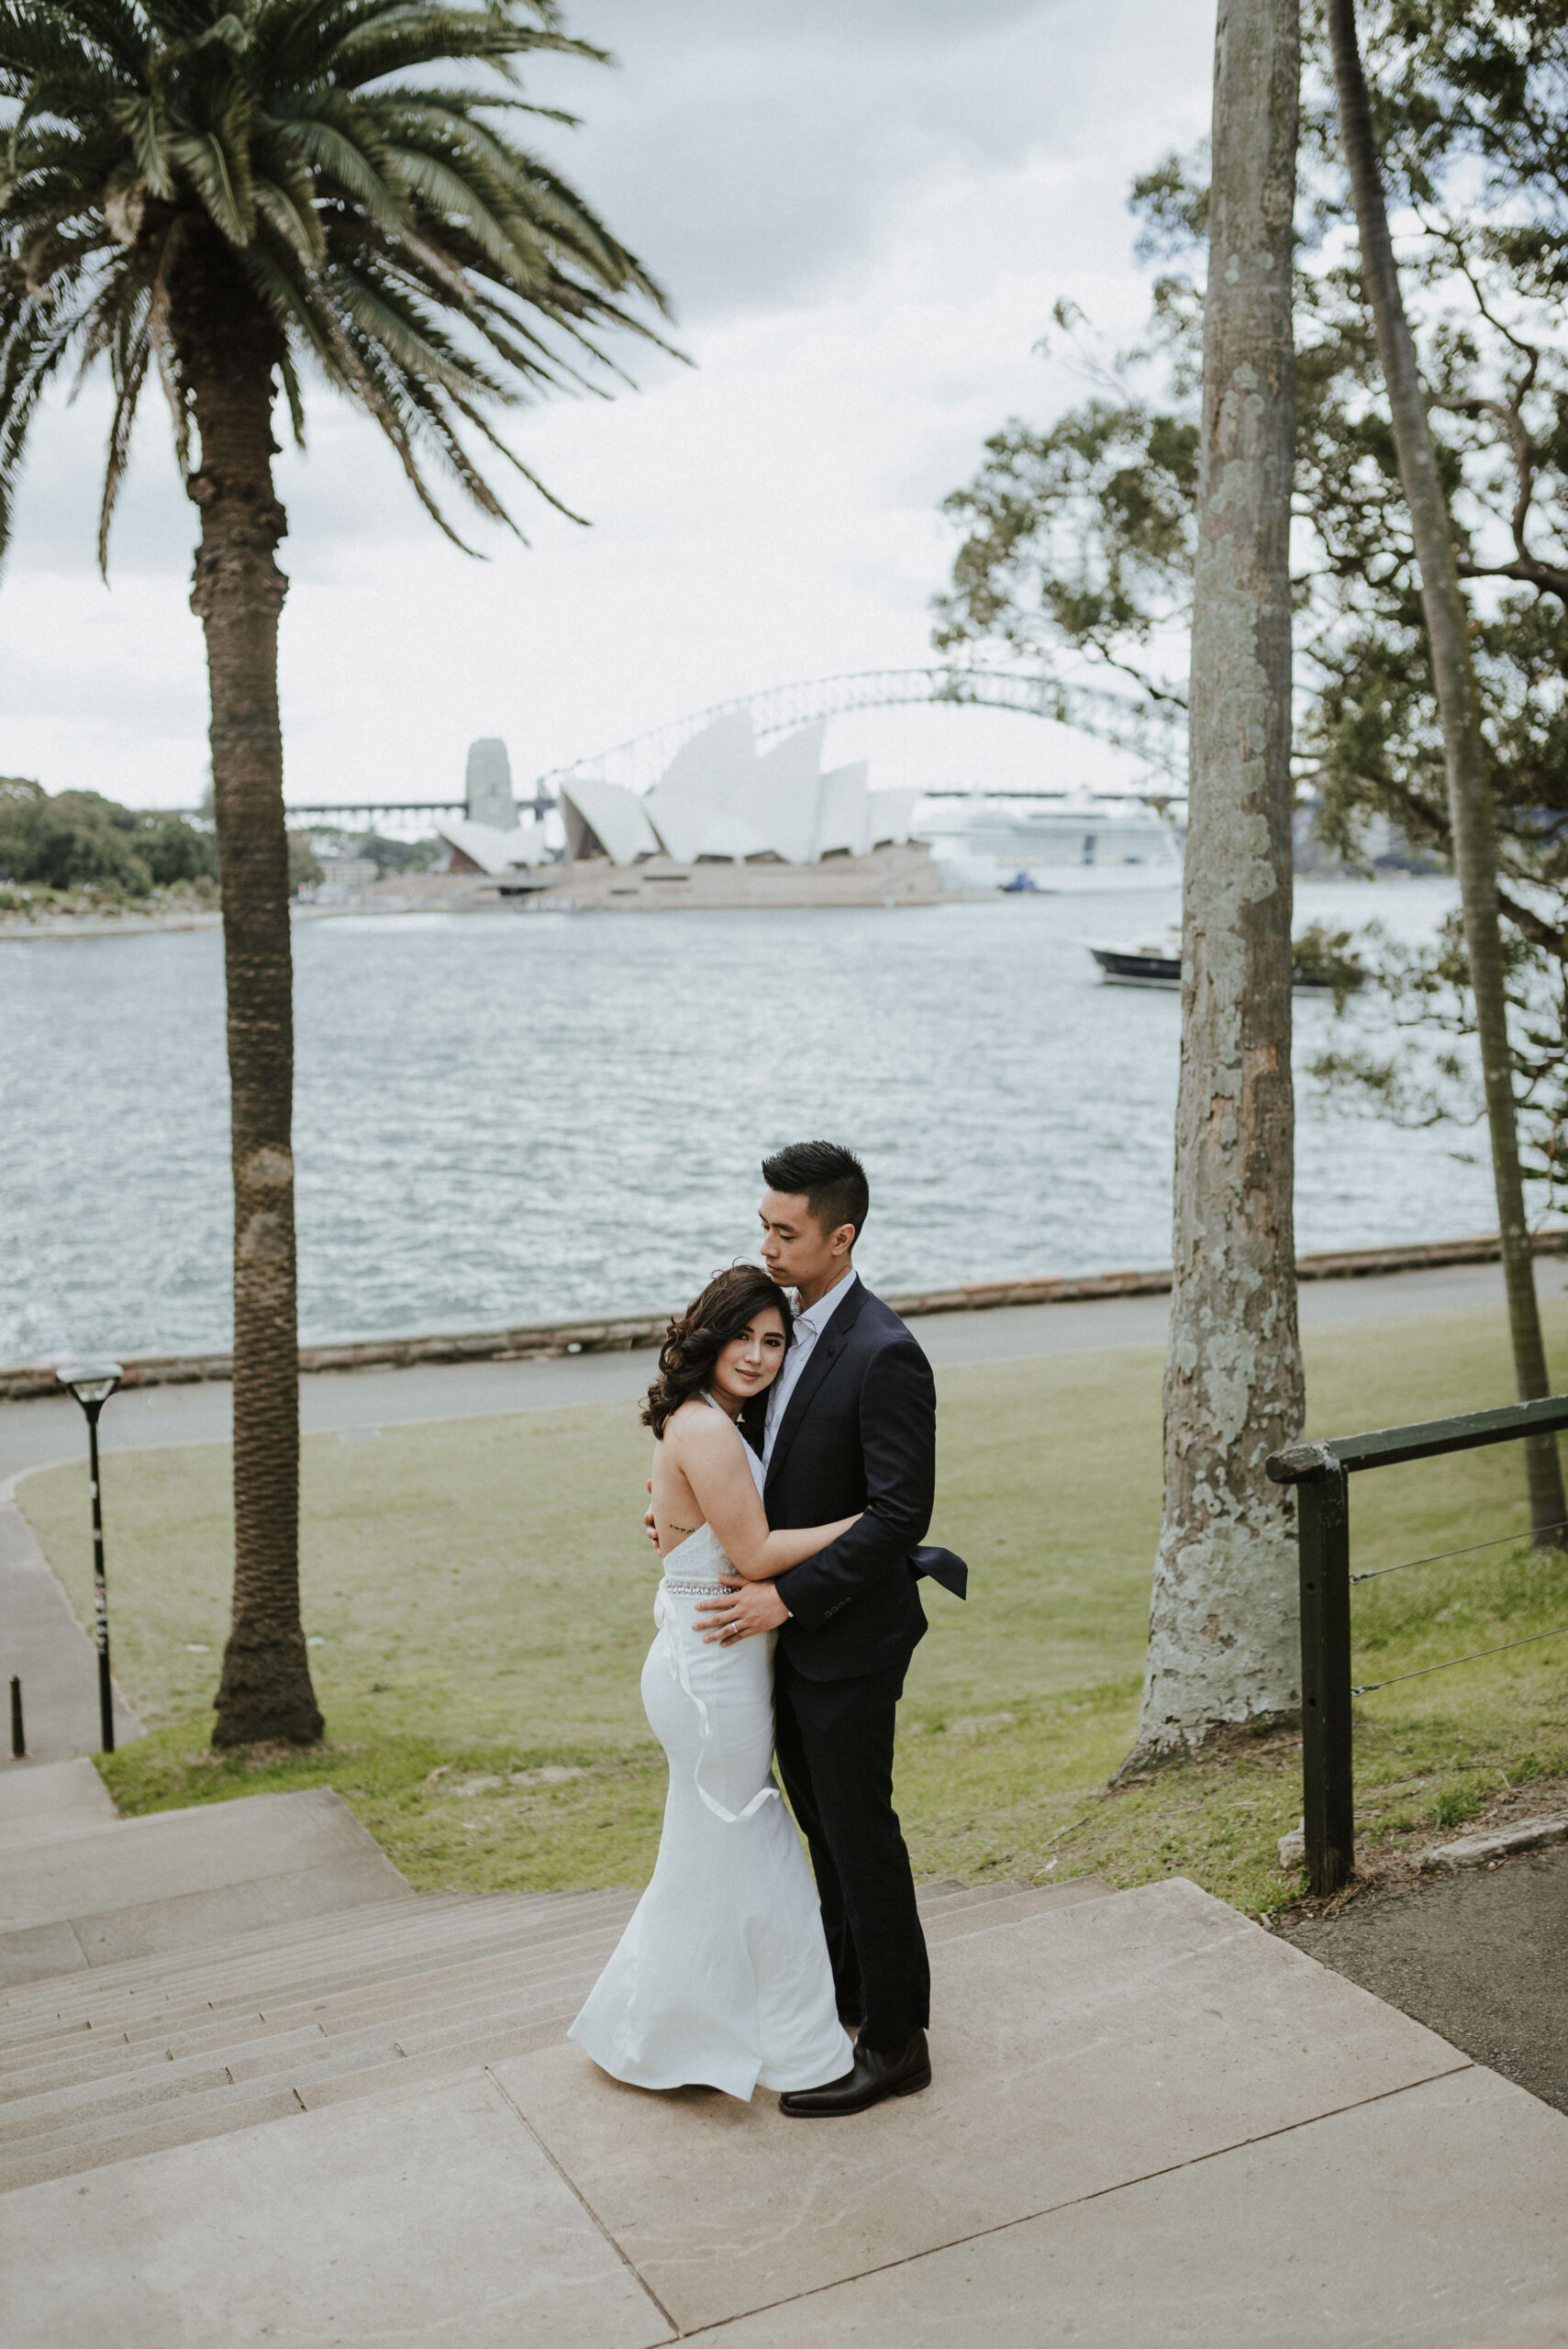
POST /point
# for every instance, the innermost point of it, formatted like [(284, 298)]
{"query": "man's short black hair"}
[(831, 1177)]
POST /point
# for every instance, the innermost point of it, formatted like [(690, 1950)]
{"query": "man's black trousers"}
[(835, 1749)]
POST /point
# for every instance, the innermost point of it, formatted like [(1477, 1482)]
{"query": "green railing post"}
[(1329, 1814)]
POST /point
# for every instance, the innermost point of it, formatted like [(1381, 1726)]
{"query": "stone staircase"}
[(133, 2055), (253, 2088)]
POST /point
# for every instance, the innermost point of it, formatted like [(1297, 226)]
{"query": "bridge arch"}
[(1156, 734)]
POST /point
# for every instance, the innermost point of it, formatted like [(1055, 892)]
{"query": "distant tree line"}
[(76, 840), (73, 840)]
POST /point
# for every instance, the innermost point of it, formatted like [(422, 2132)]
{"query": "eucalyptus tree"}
[(1222, 1643), (1466, 756), (1079, 535), (230, 196)]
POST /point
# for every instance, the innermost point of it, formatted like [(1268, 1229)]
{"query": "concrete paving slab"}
[(138, 1862), (23, 1833), (1073, 2052), (435, 2220), (54, 1790), (43, 1645), (1431, 2217), (38, 1953), (146, 1928), (1476, 1956)]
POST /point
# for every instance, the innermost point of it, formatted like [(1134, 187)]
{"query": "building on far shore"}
[(720, 815), (722, 801)]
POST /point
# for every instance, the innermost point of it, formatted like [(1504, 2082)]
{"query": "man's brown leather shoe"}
[(901, 2071)]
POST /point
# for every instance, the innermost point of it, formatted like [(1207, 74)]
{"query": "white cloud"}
[(866, 223)]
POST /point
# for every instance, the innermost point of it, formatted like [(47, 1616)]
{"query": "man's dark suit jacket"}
[(859, 1434)]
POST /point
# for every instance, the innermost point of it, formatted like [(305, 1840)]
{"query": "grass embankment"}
[(479, 1592)]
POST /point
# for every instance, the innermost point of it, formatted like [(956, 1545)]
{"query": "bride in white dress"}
[(722, 1976)]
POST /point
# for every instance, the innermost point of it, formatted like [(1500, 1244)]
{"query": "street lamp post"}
[(93, 1383)]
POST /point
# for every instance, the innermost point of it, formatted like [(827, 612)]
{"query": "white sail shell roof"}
[(493, 850), (841, 812), (615, 818), (698, 805), (719, 797), (889, 815)]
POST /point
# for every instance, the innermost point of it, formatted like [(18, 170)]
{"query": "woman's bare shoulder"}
[(696, 1425)]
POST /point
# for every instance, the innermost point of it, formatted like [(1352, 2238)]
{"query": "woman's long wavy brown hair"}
[(696, 1339)]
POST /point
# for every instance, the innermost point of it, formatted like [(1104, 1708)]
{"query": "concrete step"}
[(482, 1952), (1142, 2109), (181, 1878), (95, 2137), (428, 2000), (440, 2011), (278, 1978), (56, 1790), (59, 1996), (139, 1985), (67, 1998), (954, 1921), (22, 1834), (436, 1915), (205, 2001)]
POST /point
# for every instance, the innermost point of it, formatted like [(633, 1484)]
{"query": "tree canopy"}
[(1077, 540), (355, 163)]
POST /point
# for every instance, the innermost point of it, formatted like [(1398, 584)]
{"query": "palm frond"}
[(343, 172)]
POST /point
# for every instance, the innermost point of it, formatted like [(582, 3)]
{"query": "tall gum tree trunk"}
[(1223, 1641), (228, 359), (1464, 748)]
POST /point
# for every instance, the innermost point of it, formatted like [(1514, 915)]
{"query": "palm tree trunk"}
[(1464, 748), (226, 361), (1223, 1643)]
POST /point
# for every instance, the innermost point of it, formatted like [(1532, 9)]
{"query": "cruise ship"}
[(1048, 841)]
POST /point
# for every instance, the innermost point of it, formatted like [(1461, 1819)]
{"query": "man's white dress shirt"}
[(809, 1324)]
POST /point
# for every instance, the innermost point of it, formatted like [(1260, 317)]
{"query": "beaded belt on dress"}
[(696, 1589)]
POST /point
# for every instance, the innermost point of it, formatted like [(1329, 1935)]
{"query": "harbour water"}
[(510, 1118)]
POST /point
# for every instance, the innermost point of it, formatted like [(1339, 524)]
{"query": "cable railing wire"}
[(1468, 1551), (1447, 1665)]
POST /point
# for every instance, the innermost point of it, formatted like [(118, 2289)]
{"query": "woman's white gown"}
[(722, 1976)]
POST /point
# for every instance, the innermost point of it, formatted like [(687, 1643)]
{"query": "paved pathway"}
[(43, 1645), (52, 1429)]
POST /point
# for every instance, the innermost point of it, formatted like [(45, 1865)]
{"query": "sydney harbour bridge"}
[(1155, 732)]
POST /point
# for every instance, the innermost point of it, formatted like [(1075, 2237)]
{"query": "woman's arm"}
[(711, 1455)]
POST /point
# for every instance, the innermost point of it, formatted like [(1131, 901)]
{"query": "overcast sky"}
[(863, 211)]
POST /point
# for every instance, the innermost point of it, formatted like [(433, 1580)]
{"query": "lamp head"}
[(90, 1382)]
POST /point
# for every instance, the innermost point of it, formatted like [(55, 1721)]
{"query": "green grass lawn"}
[(480, 1592)]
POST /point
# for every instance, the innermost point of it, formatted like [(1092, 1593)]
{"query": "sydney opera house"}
[(719, 823)]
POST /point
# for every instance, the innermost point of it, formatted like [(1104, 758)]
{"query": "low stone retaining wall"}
[(531, 1340)]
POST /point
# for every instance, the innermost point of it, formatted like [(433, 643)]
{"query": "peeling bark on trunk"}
[(1464, 748), (226, 356), (1223, 1639)]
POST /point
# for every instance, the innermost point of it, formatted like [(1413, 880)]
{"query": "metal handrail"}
[(1321, 1474)]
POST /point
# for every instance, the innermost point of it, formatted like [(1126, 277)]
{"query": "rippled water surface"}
[(508, 1118)]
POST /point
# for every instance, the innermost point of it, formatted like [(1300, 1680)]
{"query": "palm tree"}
[(1222, 1637), (1464, 746), (227, 193)]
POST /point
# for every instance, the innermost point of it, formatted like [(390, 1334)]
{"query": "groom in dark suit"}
[(848, 1425)]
